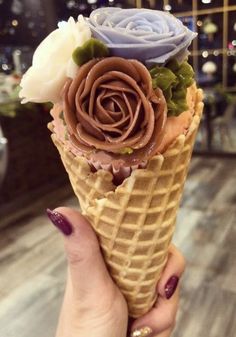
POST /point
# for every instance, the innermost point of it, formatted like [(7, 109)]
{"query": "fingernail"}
[(143, 332), (60, 222), (171, 286)]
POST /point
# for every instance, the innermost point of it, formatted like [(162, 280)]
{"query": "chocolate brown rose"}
[(111, 107)]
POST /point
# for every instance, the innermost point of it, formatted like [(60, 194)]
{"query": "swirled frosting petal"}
[(110, 106), (149, 36)]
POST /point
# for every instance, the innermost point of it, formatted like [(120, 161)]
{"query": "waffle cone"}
[(135, 221)]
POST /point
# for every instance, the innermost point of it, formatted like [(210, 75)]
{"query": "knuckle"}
[(173, 324), (170, 320), (77, 254), (179, 258), (73, 253), (182, 262), (73, 257)]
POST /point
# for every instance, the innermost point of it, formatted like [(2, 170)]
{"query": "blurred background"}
[(32, 178)]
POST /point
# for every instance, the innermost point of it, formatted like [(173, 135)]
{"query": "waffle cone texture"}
[(135, 221)]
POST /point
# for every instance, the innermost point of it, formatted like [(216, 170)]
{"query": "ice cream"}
[(115, 83), (126, 111)]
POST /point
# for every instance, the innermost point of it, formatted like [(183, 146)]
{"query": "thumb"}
[(88, 273)]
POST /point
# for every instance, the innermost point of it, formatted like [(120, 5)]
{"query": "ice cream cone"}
[(112, 77), (135, 221)]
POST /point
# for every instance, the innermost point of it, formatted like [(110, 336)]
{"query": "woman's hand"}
[(93, 305)]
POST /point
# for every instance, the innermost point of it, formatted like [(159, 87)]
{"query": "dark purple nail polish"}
[(130, 322), (171, 286), (60, 222)]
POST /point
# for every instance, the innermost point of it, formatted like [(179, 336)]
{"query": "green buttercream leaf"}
[(168, 93), (185, 74), (180, 92), (92, 48), (173, 65), (163, 78), (177, 103), (173, 80), (61, 116), (66, 136), (126, 150)]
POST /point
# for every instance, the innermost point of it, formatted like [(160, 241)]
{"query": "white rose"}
[(52, 62)]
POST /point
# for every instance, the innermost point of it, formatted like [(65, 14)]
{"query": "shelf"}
[(214, 52), (216, 49), (206, 11), (206, 48)]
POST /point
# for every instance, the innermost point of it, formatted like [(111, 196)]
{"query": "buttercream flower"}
[(52, 62), (110, 106), (153, 37)]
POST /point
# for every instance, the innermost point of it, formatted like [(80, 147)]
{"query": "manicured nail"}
[(143, 332), (171, 286), (130, 322), (60, 222)]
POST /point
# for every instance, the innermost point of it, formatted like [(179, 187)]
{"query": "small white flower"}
[(52, 62)]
